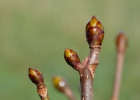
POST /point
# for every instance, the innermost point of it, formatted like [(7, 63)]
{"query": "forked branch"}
[(86, 69)]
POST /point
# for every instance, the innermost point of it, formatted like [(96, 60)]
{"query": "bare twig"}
[(37, 78), (61, 85), (86, 69), (121, 42)]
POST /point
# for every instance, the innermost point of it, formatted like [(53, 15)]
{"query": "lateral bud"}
[(94, 32), (71, 58)]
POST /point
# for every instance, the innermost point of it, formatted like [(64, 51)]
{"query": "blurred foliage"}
[(34, 33)]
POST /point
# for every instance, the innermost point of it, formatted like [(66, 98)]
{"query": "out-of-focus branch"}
[(37, 78), (121, 42), (86, 69), (61, 85)]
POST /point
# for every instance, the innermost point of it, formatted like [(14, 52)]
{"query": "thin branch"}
[(86, 69), (121, 46), (37, 78), (69, 94)]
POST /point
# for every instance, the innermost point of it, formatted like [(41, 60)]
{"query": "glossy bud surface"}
[(35, 76), (71, 57), (94, 32)]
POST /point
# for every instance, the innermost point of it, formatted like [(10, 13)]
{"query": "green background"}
[(34, 33)]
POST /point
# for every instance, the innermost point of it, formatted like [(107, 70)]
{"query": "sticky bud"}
[(35, 76), (121, 42), (59, 83), (94, 32), (71, 57)]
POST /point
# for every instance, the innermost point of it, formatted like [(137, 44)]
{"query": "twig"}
[(61, 85), (121, 43), (37, 78), (86, 69)]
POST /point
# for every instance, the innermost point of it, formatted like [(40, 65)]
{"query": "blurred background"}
[(34, 33)]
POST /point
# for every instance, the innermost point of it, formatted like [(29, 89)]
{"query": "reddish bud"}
[(71, 57), (35, 76), (121, 42), (94, 32)]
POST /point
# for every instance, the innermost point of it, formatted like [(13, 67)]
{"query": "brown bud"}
[(94, 32), (35, 76), (121, 42), (71, 57), (59, 83)]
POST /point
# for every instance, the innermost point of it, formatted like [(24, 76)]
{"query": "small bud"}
[(59, 83), (94, 32), (35, 76), (71, 57), (121, 42)]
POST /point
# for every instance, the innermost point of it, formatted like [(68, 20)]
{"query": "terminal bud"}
[(121, 42), (35, 76), (94, 32)]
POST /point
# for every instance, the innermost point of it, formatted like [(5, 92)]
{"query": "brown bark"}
[(87, 73), (118, 76)]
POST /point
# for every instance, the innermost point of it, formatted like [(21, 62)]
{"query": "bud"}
[(59, 83), (71, 57), (35, 76), (121, 41), (94, 32)]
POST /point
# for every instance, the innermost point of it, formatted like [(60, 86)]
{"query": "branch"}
[(37, 78), (61, 85), (121, 43), (86, 69)]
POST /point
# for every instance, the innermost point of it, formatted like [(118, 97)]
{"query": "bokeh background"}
[(34, 33)]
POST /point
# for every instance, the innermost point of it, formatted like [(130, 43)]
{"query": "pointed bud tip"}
[(67, 52), (30, 70), (94, 22)]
